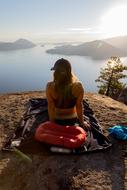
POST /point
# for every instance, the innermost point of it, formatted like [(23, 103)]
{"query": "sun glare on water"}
[(114, 22)]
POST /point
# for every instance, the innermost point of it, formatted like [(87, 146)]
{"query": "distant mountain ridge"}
[(18, 44), (119, 42), (97, 49)]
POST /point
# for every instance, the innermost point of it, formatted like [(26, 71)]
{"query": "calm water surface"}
[(26, 70)]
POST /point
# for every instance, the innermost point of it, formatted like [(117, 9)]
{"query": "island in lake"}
[(98, 49), (18, 44)]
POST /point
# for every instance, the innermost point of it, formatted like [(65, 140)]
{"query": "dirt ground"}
[(94, 171)]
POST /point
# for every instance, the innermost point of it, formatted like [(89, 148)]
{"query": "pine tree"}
[(110, 76)]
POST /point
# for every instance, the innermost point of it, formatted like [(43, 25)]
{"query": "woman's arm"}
[(79, 92), (79, 109), (79, 106), (51, 105)]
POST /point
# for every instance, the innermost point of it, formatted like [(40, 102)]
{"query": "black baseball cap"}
[(61, 63)]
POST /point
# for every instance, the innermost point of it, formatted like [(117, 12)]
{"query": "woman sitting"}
[(64, 95)]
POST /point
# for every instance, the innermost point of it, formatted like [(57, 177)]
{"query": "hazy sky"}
[(62, 20)]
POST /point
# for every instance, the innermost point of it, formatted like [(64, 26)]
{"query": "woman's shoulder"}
[(50, 85), (77, 84), (77, 88)]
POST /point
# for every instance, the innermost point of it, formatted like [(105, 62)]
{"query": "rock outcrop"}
[(48, 171)]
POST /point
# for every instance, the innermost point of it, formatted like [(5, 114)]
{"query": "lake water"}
[(29, 69)]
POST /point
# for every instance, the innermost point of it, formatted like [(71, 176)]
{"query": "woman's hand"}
[(86, 126)]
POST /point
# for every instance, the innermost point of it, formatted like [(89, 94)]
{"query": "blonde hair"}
[(63, 79)]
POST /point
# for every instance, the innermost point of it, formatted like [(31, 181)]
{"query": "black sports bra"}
[(68, 102)]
